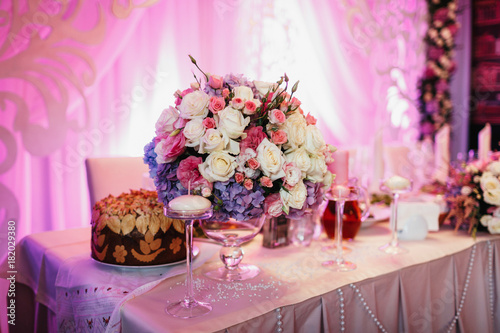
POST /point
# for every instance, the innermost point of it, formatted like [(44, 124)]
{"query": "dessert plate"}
[(196, 252), (378, 213)]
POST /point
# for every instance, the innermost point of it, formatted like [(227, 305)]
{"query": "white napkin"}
[(484, 142), (442, 154)]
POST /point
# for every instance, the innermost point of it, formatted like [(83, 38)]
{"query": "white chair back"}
[(114, 175)]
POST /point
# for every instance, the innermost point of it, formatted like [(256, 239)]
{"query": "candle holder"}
[(395, 189), (340, 194), (188, 307)]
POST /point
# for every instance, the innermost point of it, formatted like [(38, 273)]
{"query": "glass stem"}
[(394, 216), (189, 258), (340, 219)]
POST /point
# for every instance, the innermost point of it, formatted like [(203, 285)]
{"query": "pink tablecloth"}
[(421, 291), (416, 292)]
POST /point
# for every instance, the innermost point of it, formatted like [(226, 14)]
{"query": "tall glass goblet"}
[(395, 186), (340, 194), (232, 234), (188, 307)]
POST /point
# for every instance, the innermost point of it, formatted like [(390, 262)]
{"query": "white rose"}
[(466, 190), (432, 33), (271, 159), (194, 131), (492, 197), (494, 168), (494, 225), (295, 197), (194, 105), (489, 182), (328, 180), (300, 158), (295, 128), (445, 33), (165, 124), (496, 212), (485, 219), (318, 169), (232, 123), (211, 141), (264, 87), (243, 92), (219, 166), (314, 142)]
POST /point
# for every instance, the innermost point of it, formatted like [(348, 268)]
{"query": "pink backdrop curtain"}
[(90, 78)]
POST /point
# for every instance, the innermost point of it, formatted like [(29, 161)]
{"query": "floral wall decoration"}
[(434, 101)]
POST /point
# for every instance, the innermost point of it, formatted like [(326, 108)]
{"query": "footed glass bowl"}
[(231, 234)]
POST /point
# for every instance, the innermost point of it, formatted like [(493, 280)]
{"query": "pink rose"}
[(169, 147), (266, 181), (178, 94), (225, 92), (189, 175), (284, 106), (255, 135), (239, 177), (273, 205), (188, 172), (453, 29), (248, 183), (310, 119), (216, 104), (292, 175), (209, 122), (276, 116), (279, 137), (216, 81), (295, 103), (237, 103), (250, 108), (253, 163)]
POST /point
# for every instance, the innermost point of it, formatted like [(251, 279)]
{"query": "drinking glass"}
[(393, 246), (188, 307), (340, 194)]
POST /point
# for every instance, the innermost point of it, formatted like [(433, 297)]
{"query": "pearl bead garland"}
[(464, 292), (367, 308), (490, 279), (279, 324), (341, 305)]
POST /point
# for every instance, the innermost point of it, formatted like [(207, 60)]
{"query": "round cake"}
[(131, 230)]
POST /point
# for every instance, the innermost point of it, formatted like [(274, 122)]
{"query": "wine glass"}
[(395, 186), (188, 307), (340, 194), (231, 234)]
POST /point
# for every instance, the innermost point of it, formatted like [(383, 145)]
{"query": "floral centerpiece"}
[(474, 195), (245, 145)]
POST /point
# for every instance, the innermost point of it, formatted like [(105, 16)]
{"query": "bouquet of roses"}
[(474, 195), (245, 145)]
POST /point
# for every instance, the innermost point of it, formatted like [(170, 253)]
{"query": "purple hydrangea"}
[(238, 202), (166, 182), (150, 158)]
